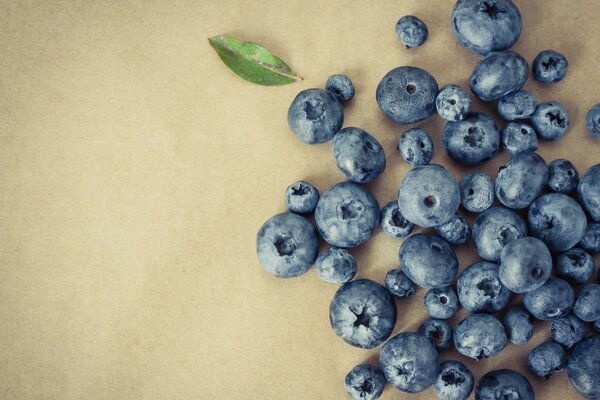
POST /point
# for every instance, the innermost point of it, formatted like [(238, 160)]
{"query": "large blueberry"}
[(583, 367), (550, 66), (476, 192), (287, 245), (455, 231), (479, 336), (554, 299), (454, 382), (301, 197), (415, 147), (546, 359), (428, 261), (341, 86), (439, 332), (358, 155), (562, 176), (398, 284), (518, 137), (575, 265), (362, 313), (495, 228), (453, 103), (441, 303), (498, 74), (518, 324), (568, 330), (525, 264), (336, 266), (472, 140), (550, 120), (591, 239), (411, 31), (592, 121), (522, 180), (589, 192), (364, 382), (587, 306), (315, 115), (393, 223), (480, 290), (516, 106), (504, 384)]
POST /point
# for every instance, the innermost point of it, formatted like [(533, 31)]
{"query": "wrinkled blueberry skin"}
[(522, 180), (518, 324), (504, 384), (398, 284), (592, 121), (499, 74), (589, 192), (550, 66), (362, 313), (476, 192), (453, 103), (525, 265), (301, 197), (439, 332), (486, 26), (591, 239), (568, 330), (480, 290), (587, 306), (516, 106), (415, 147), (411, 31), (336, 266), (441, 303), (393, 224), (547, 359), (454, 382), (409, 362), (562, 176), (407, 95), (287, 245), (364, 382), (550, 120), (495, 228), (358, 155), (428, 261), (473, 140), (428, 196), (455, 231), (583, 367), (479, 336), (346, 215), (558, 220), (554, 299), (518, 137), (575, 265), (341, 86), (315, 115)]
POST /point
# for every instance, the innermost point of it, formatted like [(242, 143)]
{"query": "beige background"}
[(136, 169)]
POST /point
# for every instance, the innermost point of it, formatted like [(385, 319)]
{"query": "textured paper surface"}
[(136, 169)]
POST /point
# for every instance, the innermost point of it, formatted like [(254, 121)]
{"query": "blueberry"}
[(301, 197), (597, 326), (504, 384), (428, 261), (518, 324), (453, 103), (358, 155), (441, 303), (583, 367), (591, 239), (479, 288), (409, 362), (336, 266), (499, 74), (364, 382), (398, 284), (589, 192), (522, 180), (473, 140), (495, 228), (415, 147), (486, 26), (393, 223), (287, 245), (455, 231), (587, 306), (341, 86), (592, 120), (562, 176), (411, 31), (518, 137), (546, 359), (516, 106), (568, 330), (554, 299), (346, 215), (407, 95), (439, 332), (315, 115), (525, 264), (454, 382), (428, 196), (550, 66), (362, 313), (575, 265), (476, 192), (550, 121), (479, 336)]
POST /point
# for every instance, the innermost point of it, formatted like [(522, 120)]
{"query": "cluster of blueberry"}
[(519, 253)]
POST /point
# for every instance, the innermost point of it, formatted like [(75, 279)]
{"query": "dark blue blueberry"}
[(428, 261), (301, 197), (495, 228), (516, 106), (415, 147), (486, 26), (409, 362), (587, 306), (591, 239), (341, 86), (504, 384), (428, 196), (454, 382), (575, 265), (522, 180), (562, 176), (547, 359), (346, 215), (364, 382), (315, 115), (518, 137), (480, 290), (358, 155), (518, 324), (407, 95), (554, 299), (362, 313), (550, 66), (455, 231), (287, 245), (550, 120), (568, 330), (398, 284), (393, 223), (441, 303), (476, 192), (525, 264), (411, 31), (583, 367), (592, 120), (439, 332), (473, 140), (589, 192), (336, 266), (453, 103), (479, 336), (499, 74)]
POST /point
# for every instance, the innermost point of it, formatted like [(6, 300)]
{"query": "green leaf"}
[(252, 61)]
